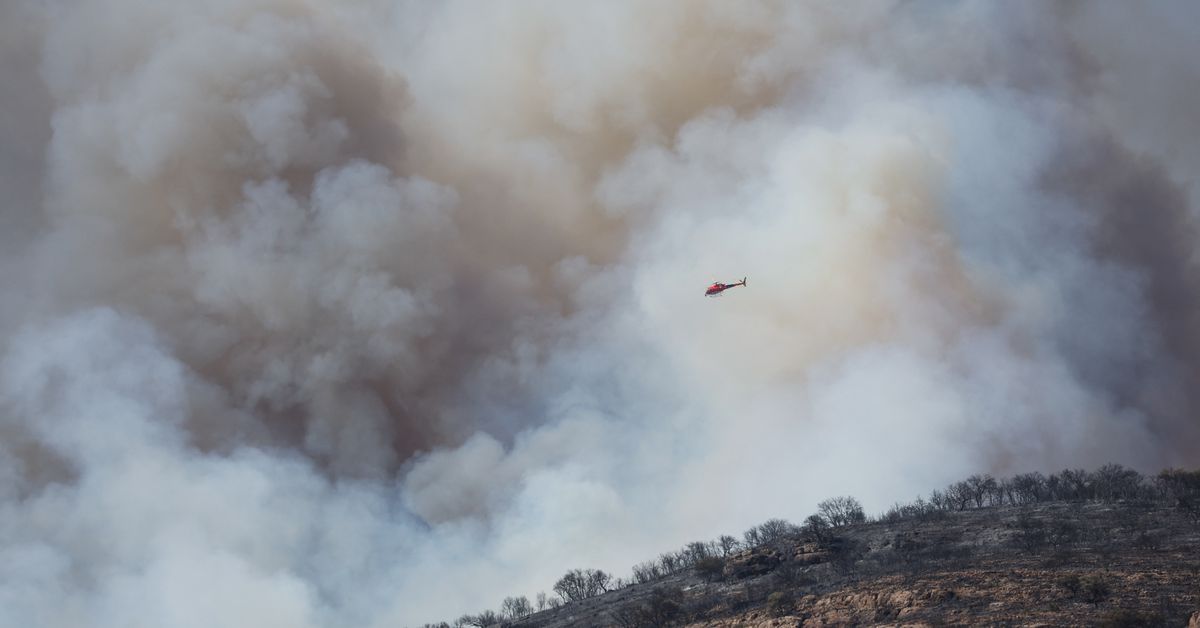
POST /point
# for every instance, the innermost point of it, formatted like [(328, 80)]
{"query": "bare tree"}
[(482, 620), (773, 530), (840, 511), (516, 607), (1178, 484), (979, 487), (580, 584), (768, 531), (960, 495), (816, 527), (939, 500), (1007, 492), (696, 551), (919, 509), (751, 537), (1077, 484), (669, 562), (728, 544), (1113, 481), (1182, 488), (995, 492), (647, 572), (1055, 488), (1029, 487)]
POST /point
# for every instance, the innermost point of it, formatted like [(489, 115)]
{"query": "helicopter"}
[(717, 288)]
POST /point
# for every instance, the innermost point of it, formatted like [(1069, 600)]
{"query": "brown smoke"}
[(380, 312)]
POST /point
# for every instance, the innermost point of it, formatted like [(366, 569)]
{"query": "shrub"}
[(1093, 589), (1090, 588), (1148, 541), (1071, 583), (906, 548), (1031, 532), (791, 575), (711, 568), (1127, 618), (1062, 533), (780, 603), (664, 606)]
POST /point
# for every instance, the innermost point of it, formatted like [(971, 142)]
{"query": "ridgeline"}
[(1109, 548)]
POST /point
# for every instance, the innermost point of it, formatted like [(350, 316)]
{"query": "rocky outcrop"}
[(751, 564)]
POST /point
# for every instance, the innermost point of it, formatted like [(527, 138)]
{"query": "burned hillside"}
[(1108, 547)]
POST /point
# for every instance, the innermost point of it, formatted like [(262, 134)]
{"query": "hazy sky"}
[(373, 313)]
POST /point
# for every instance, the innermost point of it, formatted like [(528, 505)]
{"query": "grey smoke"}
[(378, 313)]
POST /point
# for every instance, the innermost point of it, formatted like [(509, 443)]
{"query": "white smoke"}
[(375, 314)]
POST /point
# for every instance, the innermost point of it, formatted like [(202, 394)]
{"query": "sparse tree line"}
[(706, 558), (1112, 482), (575, 585)]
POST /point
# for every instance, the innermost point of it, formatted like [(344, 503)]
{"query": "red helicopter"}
[(717, 288)]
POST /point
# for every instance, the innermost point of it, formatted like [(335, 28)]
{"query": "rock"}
[(901, 599), (751, 564), (813, 558), (938, 595)]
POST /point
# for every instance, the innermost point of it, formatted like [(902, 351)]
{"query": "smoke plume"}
[(374, 313)]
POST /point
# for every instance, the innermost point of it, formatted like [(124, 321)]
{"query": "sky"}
[(374, 313)]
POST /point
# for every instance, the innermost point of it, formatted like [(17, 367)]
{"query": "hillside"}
[(1055, 564), (1127, 557)]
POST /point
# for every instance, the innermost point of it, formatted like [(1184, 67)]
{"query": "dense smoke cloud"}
[(376, 314)]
